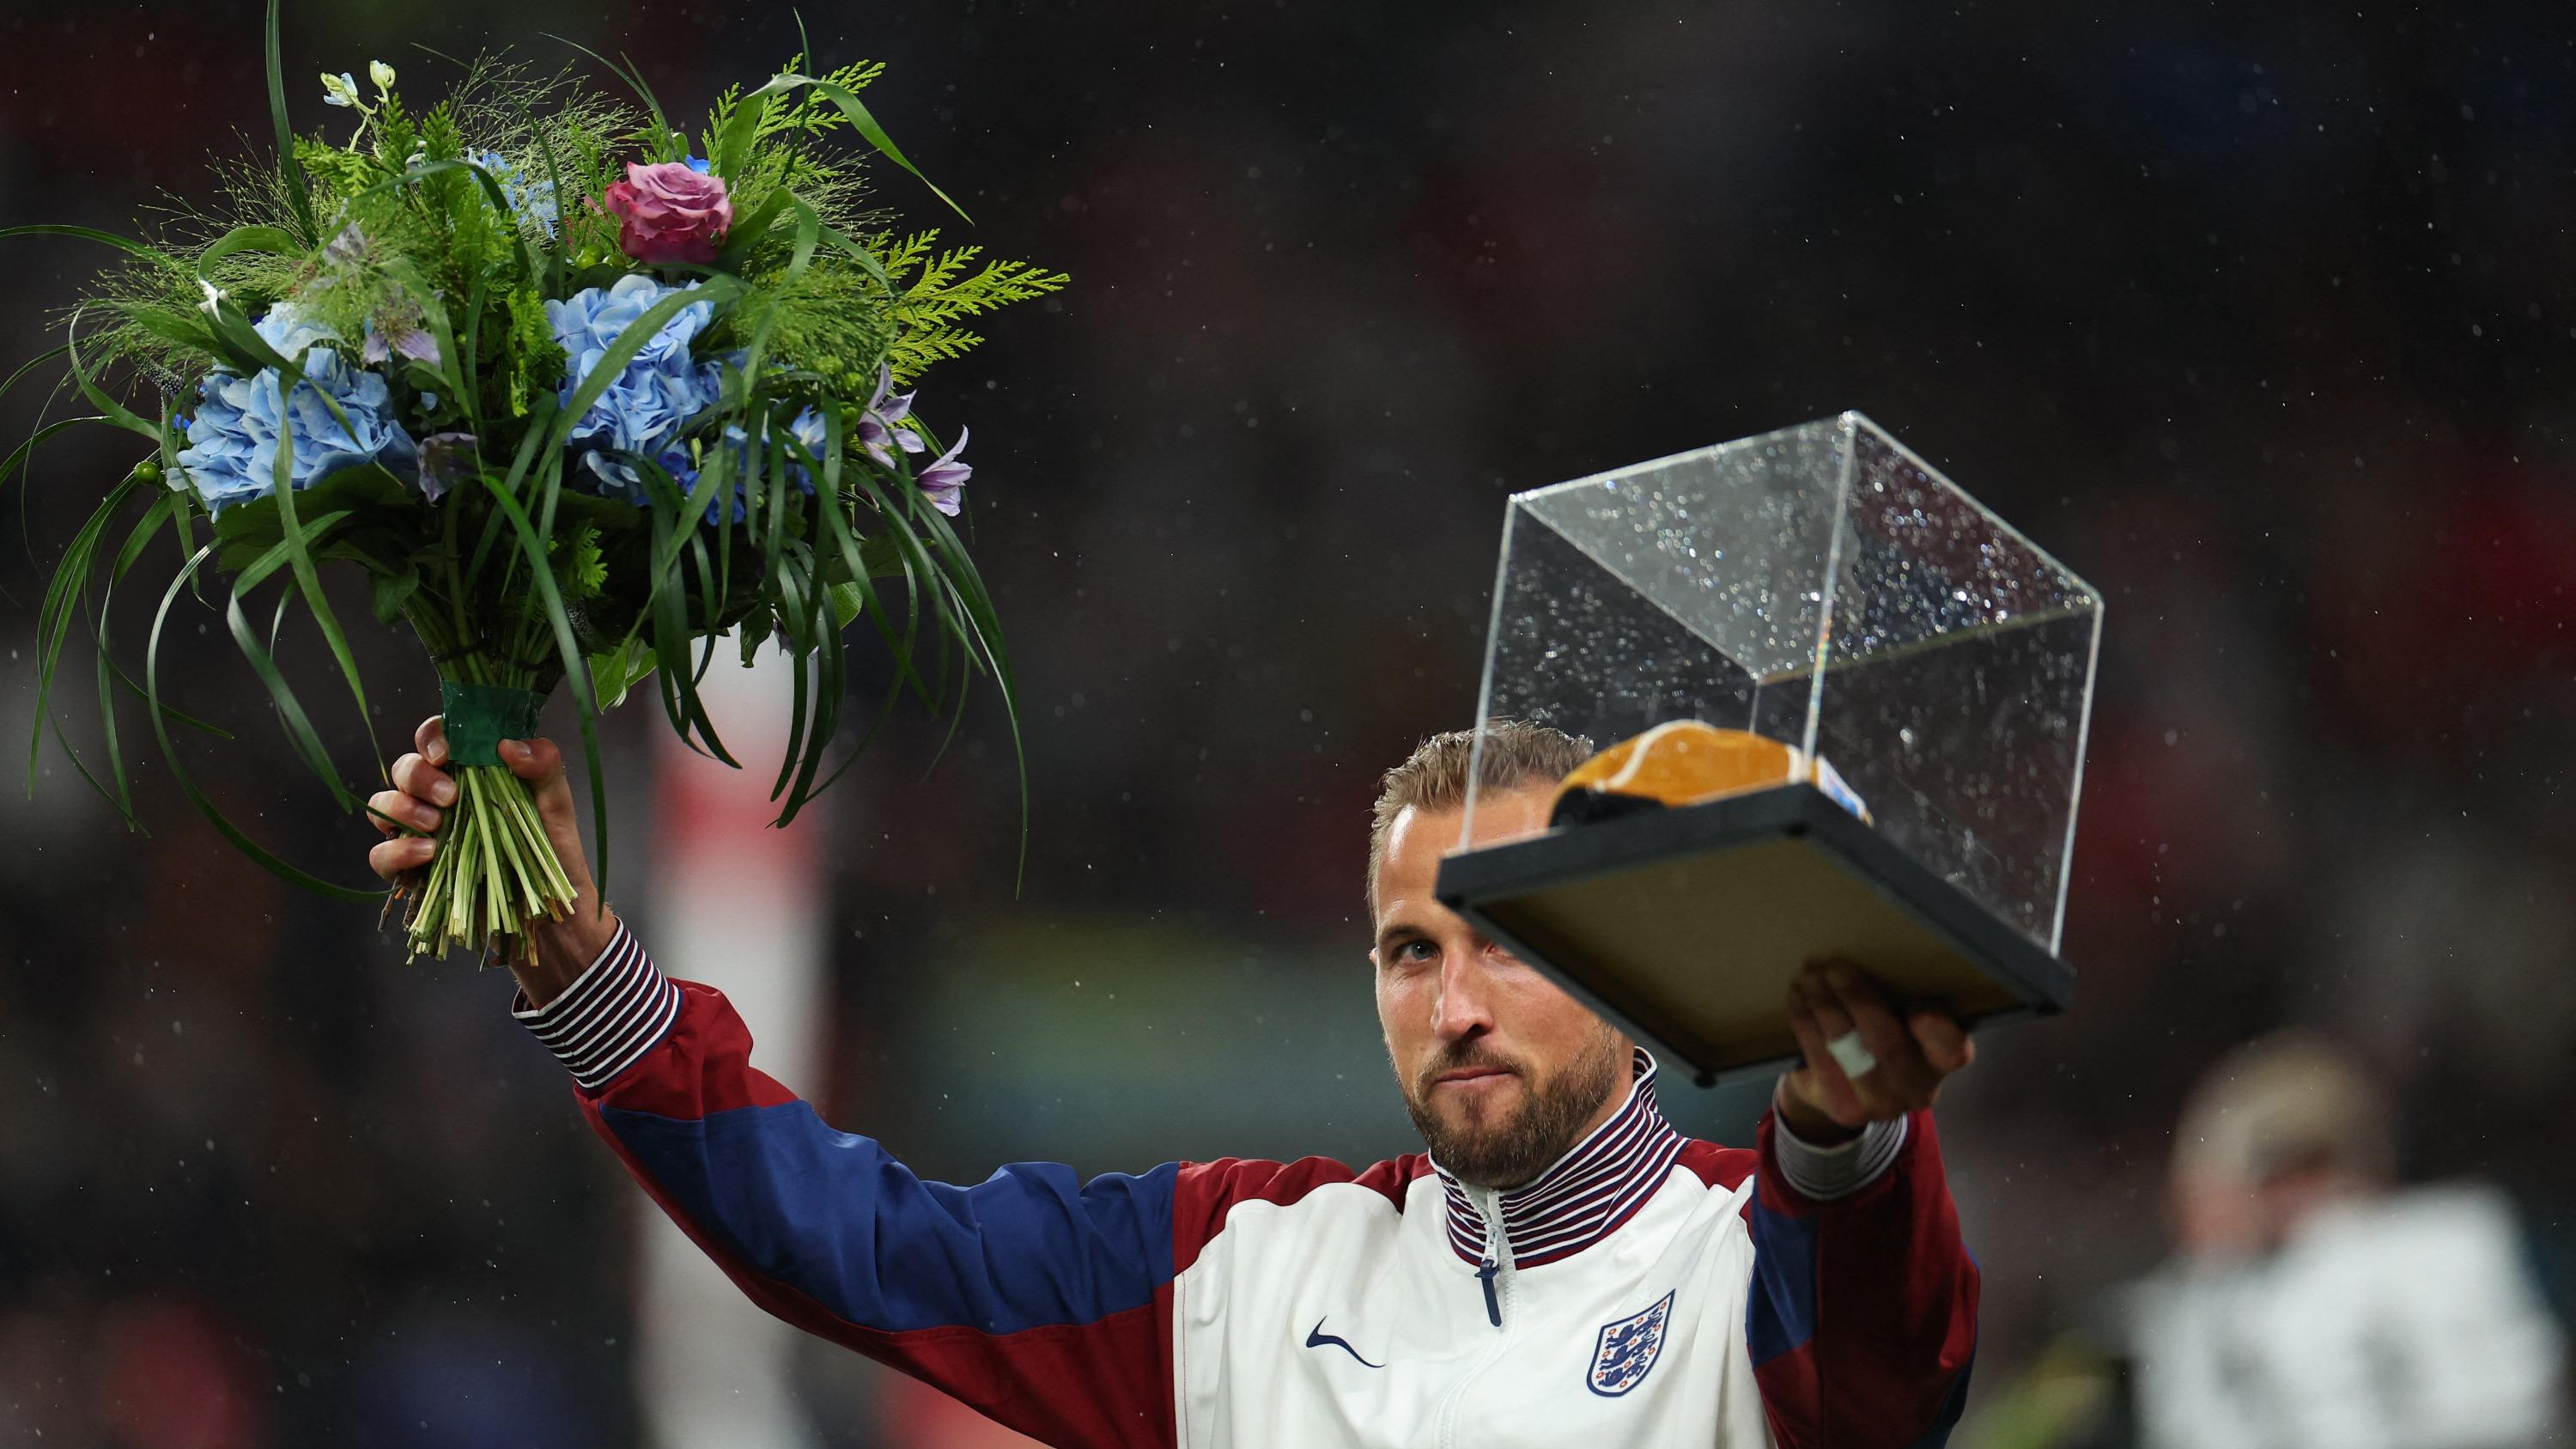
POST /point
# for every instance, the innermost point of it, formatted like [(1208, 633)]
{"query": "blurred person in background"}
[(2311, 1301), (1520, 1284)]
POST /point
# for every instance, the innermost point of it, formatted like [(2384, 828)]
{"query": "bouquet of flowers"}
[(578, 393)]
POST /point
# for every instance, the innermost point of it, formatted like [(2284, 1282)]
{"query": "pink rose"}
[(669, 212)]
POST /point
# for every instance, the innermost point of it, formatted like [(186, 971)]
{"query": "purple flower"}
[(446, 459), (413, 342), (352, 251), (349, 248), (945, 476), (878, 435)]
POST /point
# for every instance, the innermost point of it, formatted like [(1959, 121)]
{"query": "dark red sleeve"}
[(1862, 1317)]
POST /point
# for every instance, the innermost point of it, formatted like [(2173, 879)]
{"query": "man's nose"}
[(1464, 1004)]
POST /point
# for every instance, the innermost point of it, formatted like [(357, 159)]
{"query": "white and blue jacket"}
[(1647, 1290)]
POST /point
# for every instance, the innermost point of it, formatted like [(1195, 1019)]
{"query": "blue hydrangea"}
[(652, 402), (532, 201), (233, 435)]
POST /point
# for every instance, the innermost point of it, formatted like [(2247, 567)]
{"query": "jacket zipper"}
[(1497, 1264), (1495, 1275)]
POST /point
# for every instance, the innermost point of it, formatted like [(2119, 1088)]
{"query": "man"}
[(2314, 1301), (1562, 1268)]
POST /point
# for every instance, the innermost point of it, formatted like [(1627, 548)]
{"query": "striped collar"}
[(1586, 1195)]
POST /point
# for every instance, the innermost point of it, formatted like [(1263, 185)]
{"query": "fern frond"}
[(942, 294), (913, 352)]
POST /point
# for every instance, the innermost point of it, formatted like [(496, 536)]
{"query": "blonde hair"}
[(2281, 1103), (1434, 776)]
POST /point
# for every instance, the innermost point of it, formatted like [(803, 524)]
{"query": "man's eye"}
[(1405, 952)]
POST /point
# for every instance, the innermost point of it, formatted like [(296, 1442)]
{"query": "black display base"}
[(1685, 927)]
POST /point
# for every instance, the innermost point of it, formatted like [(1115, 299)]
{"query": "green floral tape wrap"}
[(477, 717)]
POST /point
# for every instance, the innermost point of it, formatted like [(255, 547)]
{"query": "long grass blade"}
[(31, 364), (850, 247), (492, 192), (300, 733), (309, 581), (188, 784), (634, 81), (750, 228), (576, 674), (61, 604), (894, 525), (838, 533), (171, 327), (145, 529), (850, 106), (235, 330), (540, 430), (559, 255), (109, 408), (18, 455), (105, 238), (248, 239), (717, 291), (987, 625), (433, 311), (298, 190), (132, 821), (829, 685)]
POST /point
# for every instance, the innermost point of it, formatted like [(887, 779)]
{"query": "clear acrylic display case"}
[(1823, 587)]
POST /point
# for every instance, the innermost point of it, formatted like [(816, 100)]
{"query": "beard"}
[(1485, 1152)]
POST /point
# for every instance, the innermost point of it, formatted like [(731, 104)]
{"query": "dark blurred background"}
[(2261, 317)]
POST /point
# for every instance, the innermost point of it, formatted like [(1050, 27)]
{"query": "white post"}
[(736, 904)]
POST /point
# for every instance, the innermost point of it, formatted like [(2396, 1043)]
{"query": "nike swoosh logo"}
[(1318, 1338)]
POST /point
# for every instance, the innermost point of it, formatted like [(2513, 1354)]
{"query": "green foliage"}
[(530, 359), (780, 153), (579, 570), (525, 574), (829, 320), (343, 171), (944, 292)]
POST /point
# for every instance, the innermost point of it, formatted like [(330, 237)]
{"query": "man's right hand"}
[(422, 791)]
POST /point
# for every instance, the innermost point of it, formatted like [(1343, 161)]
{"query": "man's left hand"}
[(1825, 1105)]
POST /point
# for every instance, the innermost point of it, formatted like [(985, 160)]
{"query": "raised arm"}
[(1863, 1314), (410, 814), (1030, 1296)]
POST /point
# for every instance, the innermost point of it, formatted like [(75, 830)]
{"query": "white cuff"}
[(615, 1011), (1822, 1174)]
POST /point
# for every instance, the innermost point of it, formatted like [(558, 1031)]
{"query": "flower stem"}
[(495, 871)]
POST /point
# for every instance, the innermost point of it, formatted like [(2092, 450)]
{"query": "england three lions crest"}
[(1627, 1349)]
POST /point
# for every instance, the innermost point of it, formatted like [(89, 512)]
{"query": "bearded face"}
[(1495, 1121), (1502, 1072)]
